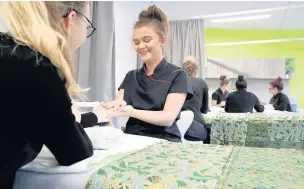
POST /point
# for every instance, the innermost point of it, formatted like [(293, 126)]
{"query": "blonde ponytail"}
[(37, 24)]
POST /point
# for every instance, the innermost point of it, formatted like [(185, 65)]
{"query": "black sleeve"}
[(214, 96), (88, 119), (281, 104), (125, 81), (257, 106), (227, 103), (272, 100), (181, 84), (205, 103), (64, 137)]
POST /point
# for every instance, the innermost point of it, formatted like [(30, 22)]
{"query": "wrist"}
[(133, 113)]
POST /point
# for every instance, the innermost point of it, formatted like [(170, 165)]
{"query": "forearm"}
[(161, 118), (120, 95)]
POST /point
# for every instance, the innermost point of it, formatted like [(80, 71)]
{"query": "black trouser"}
[(203, 130)]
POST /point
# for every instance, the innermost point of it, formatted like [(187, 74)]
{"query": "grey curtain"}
[(186, 38), (139, 62), (95, 60)]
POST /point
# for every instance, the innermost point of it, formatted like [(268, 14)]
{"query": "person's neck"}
[(275, 94), (151, 65), (223, 90)]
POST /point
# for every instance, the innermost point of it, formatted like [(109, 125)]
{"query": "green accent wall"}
[(270, 50)]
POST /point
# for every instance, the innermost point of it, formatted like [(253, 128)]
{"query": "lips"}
[(143, 53)]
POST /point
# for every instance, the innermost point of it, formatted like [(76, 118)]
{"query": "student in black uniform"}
[(36, 83), (155, 93), (198, 104), (219, 96), (279, 100), (242, 101)]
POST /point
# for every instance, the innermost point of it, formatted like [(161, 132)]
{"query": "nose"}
[(141, 45)]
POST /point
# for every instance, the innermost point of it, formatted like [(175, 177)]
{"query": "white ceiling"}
[(283, 19)]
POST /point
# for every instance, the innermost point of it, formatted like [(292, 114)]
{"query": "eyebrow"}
[(144, 37)]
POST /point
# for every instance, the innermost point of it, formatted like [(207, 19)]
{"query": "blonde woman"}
[(36, 83), (198, 104)]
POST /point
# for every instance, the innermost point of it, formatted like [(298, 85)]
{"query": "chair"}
[(186, 118)]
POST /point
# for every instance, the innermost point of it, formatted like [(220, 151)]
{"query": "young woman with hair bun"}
[(198, 104), (152, 96), (279, 100), (242, 101), (219, 96)]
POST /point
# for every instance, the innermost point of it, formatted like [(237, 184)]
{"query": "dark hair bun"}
[(241, 78), (153, 12), (279, 79), (223, 77)]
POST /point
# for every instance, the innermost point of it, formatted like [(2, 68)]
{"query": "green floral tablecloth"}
[(175, 165), (259, 130)]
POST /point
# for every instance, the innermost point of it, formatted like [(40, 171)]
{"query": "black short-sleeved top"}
[(219, 96), (281, 102), (145, 92)]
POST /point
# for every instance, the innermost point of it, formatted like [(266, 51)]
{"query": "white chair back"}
[(186, 118)]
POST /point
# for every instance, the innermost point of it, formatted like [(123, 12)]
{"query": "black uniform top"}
[(198, 104), (242, 101), (35, 110), (280, 102), (219, 96), (145, 92)]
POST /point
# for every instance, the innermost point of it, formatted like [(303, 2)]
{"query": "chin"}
[(145, 58)]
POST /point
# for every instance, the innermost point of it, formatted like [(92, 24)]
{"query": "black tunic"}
[(198, 104), (242, 101), (35, 111), (219, 96), (145, 92), (280, 102)]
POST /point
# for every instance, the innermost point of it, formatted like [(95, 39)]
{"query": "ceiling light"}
[(243, 18)]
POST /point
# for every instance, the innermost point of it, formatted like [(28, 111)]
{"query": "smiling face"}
[(148, 44)]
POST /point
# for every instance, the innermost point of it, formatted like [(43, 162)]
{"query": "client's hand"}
[(223, 103), (114, 105), (124, 111)]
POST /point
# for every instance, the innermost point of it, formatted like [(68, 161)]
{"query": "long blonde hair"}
[(39, 25)]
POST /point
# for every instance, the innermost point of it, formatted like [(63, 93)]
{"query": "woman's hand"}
[(114, 105)]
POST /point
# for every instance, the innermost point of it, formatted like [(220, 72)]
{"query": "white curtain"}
[(95, 60), (186, 38)]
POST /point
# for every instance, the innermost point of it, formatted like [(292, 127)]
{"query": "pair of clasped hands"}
[(115, 108)]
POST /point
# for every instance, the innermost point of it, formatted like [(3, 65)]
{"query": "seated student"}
[(279, 100), (36, 84), (219, 96), (155, 93), (242, 101), (198, 104)]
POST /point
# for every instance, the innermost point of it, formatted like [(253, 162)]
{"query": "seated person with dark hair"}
[(279, 100), (242, 101), (219, 96)]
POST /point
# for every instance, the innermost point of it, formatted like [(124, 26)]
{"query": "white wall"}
[(126, 14), (2, 26)]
